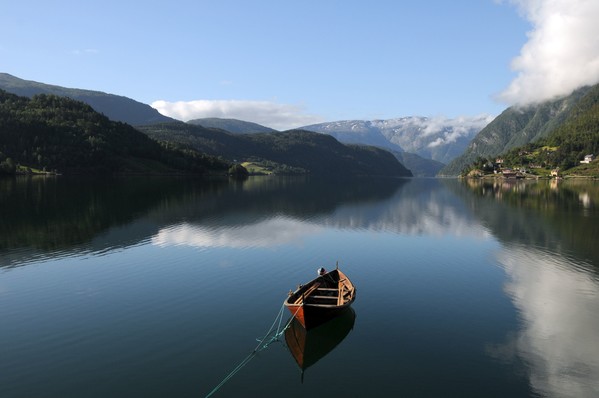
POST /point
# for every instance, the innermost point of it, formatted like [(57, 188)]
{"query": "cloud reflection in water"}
[(399, 217), (559, 307), (271, 232)]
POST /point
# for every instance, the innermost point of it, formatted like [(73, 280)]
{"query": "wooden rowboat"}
[(321, 299)]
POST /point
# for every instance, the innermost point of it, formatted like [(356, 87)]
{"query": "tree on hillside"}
[(7, 166), (238, 171)]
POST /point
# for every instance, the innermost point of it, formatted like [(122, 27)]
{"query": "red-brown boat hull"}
[(311, 317)]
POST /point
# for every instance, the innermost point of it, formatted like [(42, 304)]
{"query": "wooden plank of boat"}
[(321, 299)]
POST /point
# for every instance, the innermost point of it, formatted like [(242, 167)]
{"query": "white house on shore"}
[(588, 159)]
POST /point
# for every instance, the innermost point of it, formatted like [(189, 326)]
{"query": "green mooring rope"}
[(262, 345)]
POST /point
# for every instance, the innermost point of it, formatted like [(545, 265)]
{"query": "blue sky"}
[(297, 62)]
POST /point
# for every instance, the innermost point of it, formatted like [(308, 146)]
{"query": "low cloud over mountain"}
[(438, 138), (562, 51)]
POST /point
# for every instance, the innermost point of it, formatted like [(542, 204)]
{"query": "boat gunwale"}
[(309, 287)]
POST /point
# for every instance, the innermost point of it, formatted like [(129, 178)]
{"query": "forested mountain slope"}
[(515, 127), (58, 133), (567, 145)]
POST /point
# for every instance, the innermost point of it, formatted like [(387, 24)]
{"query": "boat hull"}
[(310, 317)]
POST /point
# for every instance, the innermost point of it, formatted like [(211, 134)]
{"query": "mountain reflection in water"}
[(56, 217)]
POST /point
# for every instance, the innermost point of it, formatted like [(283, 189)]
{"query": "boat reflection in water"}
[(309, 346)]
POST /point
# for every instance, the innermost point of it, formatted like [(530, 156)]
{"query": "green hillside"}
[(295, 151), (115, 107), (322, 154), (57, 133), (515, 127), (565, 146)]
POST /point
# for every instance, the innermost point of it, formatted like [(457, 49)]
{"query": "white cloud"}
[(457, 127), (562, 51), (442, 130), (266, 113), (438, 141), (87, 51)]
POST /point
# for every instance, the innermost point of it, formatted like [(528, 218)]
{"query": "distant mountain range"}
[(413, 133), (422, 144), (52, 133), (419, 166), (384, 134), (115, 107), (294, 151), (440, 139)]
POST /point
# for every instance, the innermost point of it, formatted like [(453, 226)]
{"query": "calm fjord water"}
[(157, 287)]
